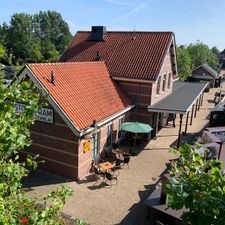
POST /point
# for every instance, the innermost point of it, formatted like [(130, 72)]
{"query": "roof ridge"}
[(61, 63), (127, 31)]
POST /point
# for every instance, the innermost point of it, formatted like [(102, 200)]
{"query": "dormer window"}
[(158, 85)]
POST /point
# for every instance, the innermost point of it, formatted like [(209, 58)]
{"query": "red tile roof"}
[(136, 55), (84, 91)]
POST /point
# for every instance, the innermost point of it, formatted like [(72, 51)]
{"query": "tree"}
[(197, 184), (183, 62), (15, 206), (35, 38), (21, 39), (200, 54), (215, 51), (51, 28)]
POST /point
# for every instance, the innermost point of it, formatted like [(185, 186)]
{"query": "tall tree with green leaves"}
[(200, 54), (53, 32), (20, 39), (183, 62), (197, 184)]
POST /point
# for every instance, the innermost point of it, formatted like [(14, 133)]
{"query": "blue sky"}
[(190, 20)]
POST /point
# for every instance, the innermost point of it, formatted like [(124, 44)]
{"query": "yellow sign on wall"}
[(86, 146)]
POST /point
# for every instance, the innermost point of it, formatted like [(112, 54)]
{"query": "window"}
[(121, 120), (164, 83), (109, 135), (169, 81), (95, 147), (158, 85)]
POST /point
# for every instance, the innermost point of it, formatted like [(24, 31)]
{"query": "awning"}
[(136, 127), (183, 97)]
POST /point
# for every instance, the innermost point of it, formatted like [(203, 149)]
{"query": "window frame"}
[(158, 85), (169, 81), (164, 82)]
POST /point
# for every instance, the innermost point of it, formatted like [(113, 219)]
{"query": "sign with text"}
[(43, 115)]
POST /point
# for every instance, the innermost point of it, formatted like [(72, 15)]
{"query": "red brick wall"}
[(166, 69), (85, 159), (57, 145), (140, 94)]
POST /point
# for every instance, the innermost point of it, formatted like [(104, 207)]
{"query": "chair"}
[(109, 177), (117, 167), (98, 173), (126, 160)]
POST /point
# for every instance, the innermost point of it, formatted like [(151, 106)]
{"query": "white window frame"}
[(164, 82)]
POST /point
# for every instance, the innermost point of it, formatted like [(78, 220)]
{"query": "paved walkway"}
[(122, 204)]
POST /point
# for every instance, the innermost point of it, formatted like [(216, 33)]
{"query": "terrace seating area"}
[(107, 168)]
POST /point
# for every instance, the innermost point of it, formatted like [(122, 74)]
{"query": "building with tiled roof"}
[(205, 73), (103, 79), (78, 93), (142, 63)]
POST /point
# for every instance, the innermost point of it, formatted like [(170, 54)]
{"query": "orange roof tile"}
[(136, 55), (84, 91)]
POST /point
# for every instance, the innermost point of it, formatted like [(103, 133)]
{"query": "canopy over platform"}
[(183, 97), (136, 127)]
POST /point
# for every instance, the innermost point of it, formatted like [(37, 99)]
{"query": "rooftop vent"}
[(98, 33), (98, 57), (52, 77)]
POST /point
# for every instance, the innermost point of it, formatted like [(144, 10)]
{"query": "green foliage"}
[(183, 63), (15, 206), (34, 38), (215, 51), (197, 184), (192, 56), (200, 54), (50, 27)]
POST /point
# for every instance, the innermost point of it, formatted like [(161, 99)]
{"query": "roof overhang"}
[(107, 120), (181, 100)]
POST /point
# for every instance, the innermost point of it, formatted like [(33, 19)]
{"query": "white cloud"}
[(116, 2), (139, 7)]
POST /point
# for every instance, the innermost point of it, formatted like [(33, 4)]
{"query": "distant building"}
[(205, 73), (221, 58)]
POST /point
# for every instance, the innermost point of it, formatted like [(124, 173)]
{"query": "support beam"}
[(202, 98), (199, 103), (192, 113), (196, 107), (179, 134), (185, 132), (157, 124)]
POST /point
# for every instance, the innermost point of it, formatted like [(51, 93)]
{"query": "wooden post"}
[(185, 132), (192, 113), (157, 124), (202, 98), (199, 103), (196, 107), (179, 134)]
